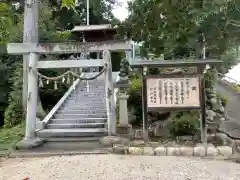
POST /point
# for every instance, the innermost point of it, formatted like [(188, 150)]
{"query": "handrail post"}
[(109, 94)]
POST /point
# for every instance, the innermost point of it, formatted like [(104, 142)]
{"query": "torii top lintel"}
[(68, 48)]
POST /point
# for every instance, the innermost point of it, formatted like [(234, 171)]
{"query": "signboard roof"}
[(170, 63)]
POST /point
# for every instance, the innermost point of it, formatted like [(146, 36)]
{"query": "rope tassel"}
[(63, 79), (68, 79), (40, 82), (73, 78), (55, 85)]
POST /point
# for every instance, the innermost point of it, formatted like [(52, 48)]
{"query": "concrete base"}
[(124, 129), (29, 143), (40, 125)]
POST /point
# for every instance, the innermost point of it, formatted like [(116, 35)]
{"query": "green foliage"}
[(13, 113), (3, 90), (135, 97), (184, 123), (5, 22), (177, 32), (68, 3), (223, 99), (229, 59), (117, 111), (9, 137), (124, 70), (236, 88), (210, 78)]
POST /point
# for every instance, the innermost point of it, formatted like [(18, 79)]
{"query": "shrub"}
[(117, 110), (184, 123), (13, 113), (236, 88), (135, 98), (223, 99)]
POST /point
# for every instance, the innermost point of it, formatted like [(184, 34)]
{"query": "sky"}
[(121, 11)]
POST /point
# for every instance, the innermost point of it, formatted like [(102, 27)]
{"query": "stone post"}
[(123, 110), (30, 140), (109, 90), (30, 35)]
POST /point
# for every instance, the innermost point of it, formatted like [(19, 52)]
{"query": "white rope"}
[(68, 73), (75, 75), (62, 76)]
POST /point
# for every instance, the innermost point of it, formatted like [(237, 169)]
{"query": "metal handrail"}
[(227, 77)]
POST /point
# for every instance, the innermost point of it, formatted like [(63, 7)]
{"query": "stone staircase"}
[(82, 115)]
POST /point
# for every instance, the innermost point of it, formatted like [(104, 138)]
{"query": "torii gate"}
[(33, 49)]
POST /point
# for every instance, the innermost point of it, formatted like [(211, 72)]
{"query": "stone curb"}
[(198, 151), (49, 154)]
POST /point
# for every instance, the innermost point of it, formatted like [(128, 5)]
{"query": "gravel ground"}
[(114, 167)]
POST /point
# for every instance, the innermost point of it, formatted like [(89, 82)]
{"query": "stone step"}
[(85, 132), (87, 96), (77, 120), (85, 101), (80, 96), (86, 105), (70, 126), (73, 139), (91, 89), (82, 104), (71, 116), (82, 111), (82, 107), (88, 93)]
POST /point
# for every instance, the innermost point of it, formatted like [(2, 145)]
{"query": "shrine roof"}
[(100, 27), (171, 63)]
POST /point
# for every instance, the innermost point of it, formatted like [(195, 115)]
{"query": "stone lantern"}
[(123, 128)]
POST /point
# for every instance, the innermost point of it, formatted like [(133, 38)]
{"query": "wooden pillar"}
[(109, 92), (203, 125), (32, 98)]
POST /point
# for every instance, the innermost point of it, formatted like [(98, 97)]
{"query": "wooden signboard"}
[(172, 92)]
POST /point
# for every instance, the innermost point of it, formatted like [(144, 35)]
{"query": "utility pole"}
[(30, 35)]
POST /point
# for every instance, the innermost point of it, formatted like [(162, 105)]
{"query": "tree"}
[(5, 22), (174, 27)]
